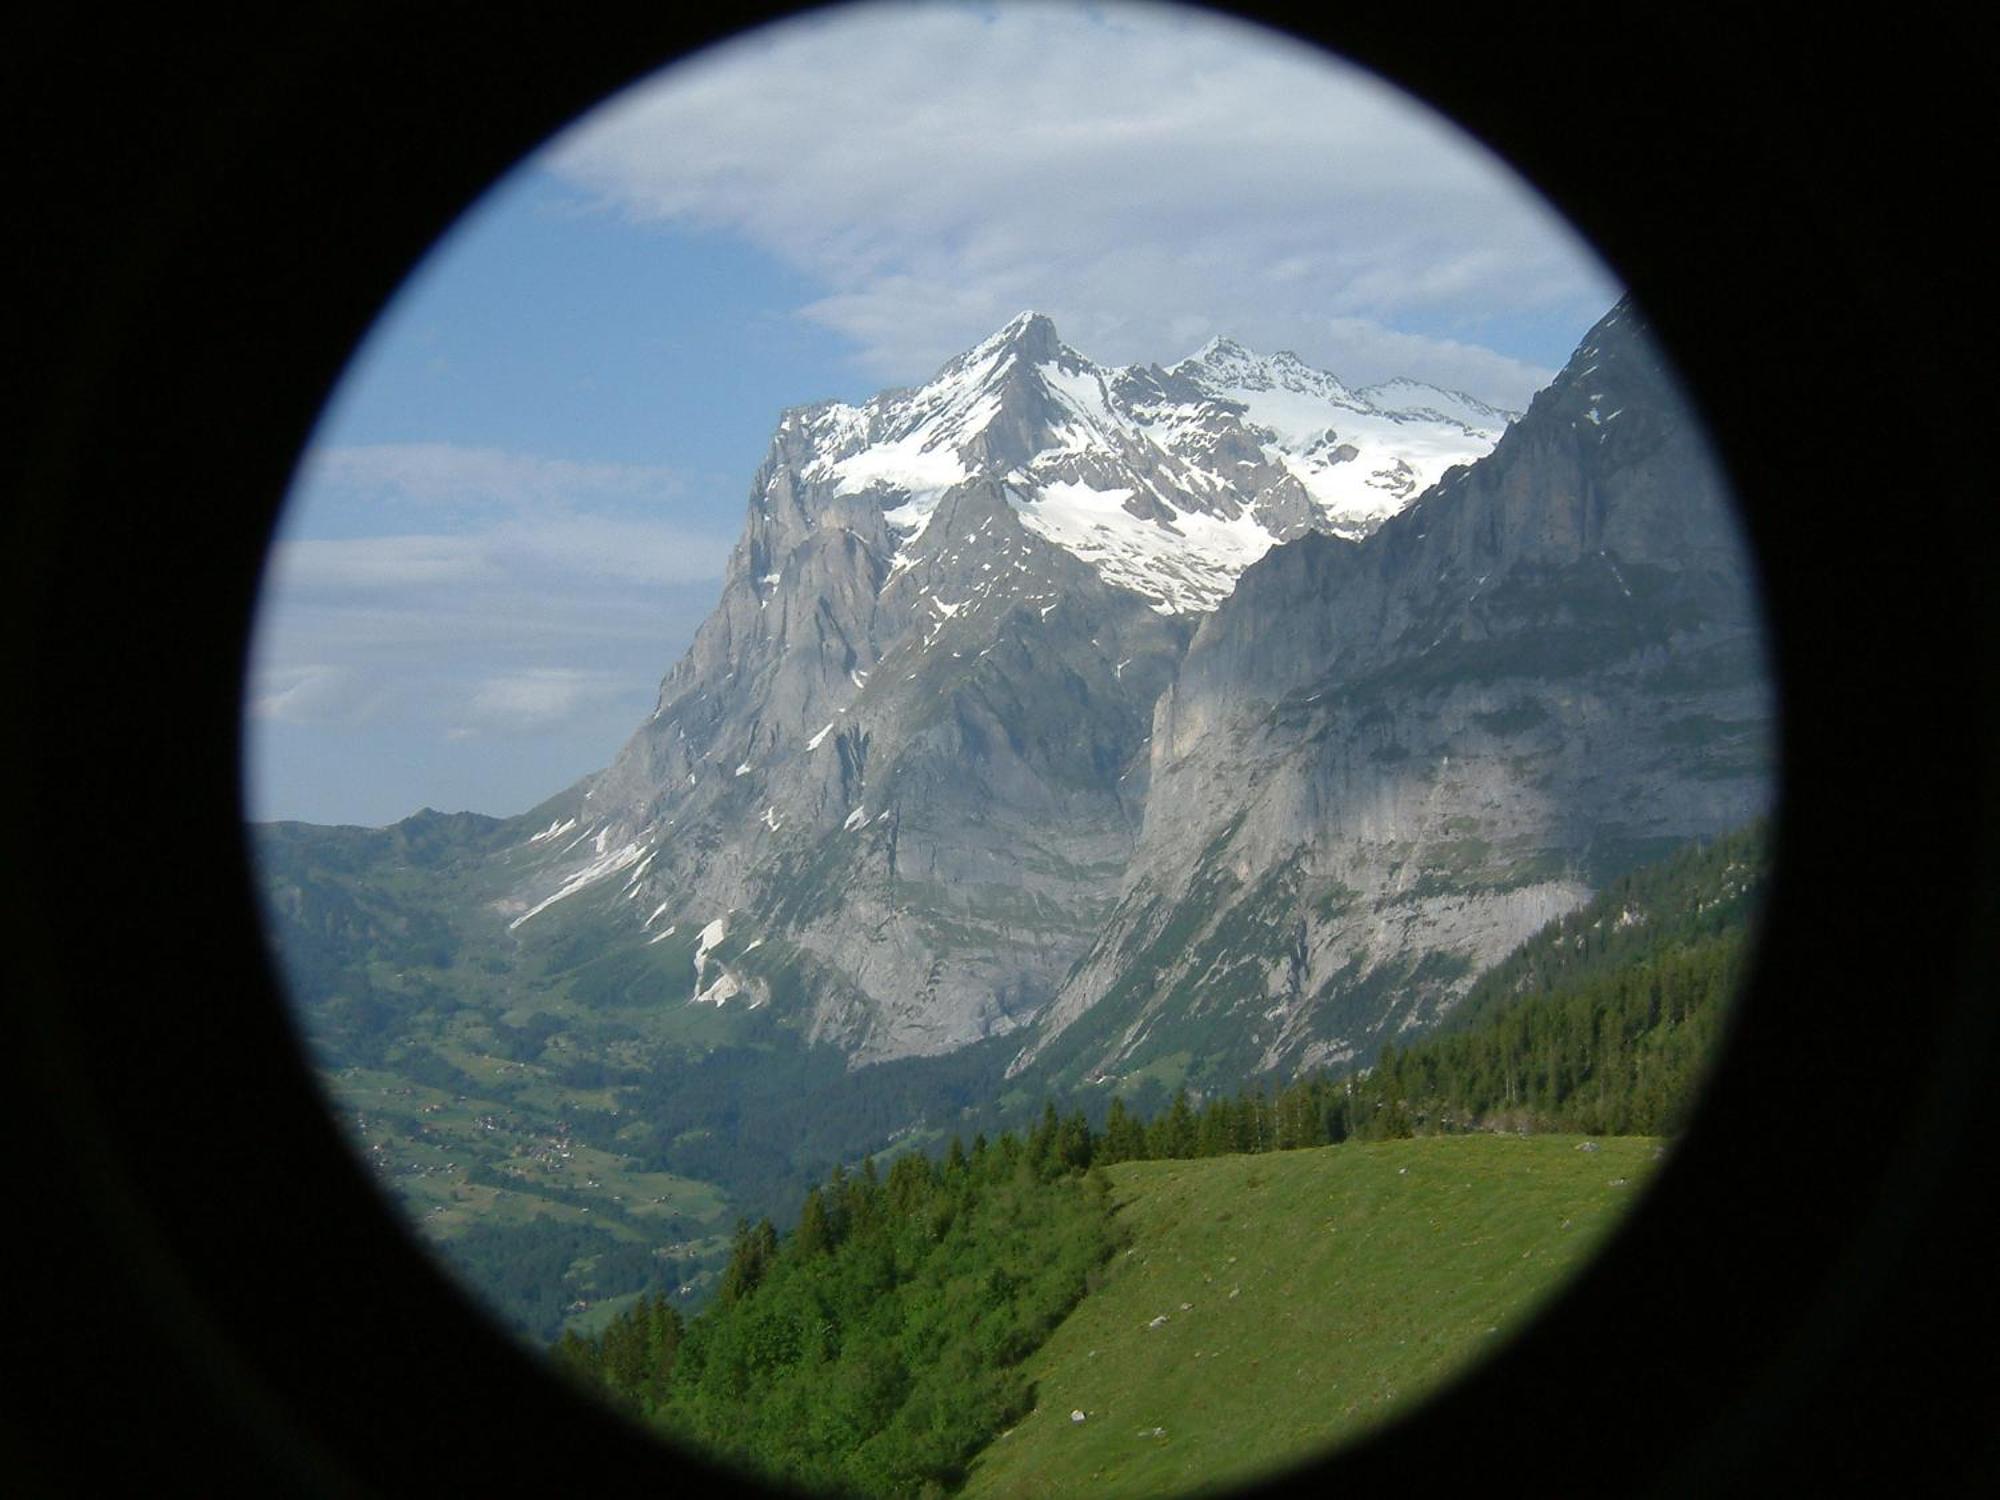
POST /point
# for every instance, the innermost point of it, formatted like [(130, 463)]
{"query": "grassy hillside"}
[(1306, 1296)]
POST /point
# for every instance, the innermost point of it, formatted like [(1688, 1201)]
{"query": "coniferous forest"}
[(878, 1346)]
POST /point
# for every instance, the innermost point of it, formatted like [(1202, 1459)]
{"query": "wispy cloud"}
[(505, 614), (520, 552), (538, 699), (437, 514), (456, 477), (1147, 176), (318, 693), (1450, 363), (376, 564)]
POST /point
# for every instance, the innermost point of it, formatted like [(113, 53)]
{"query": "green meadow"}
[(1268, 1308)]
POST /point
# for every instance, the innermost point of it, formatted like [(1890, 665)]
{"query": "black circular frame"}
[(214, 1294)]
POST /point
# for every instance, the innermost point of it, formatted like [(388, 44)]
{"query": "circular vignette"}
[(222, 209)]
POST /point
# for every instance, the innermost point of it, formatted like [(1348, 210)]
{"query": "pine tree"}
[(814, 1236), (664, 1330), (577, 1357), (1073, 1145), (1215, 1131), (623, 1359), (1173, 1134), (1124, 1140), (1042, 1140), (750, 1256)]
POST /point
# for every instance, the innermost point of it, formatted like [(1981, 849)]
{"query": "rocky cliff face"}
[(1382, 763), (898, 776)]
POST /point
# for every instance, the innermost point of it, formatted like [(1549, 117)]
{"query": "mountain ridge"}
[(929, 680), (928, 781)]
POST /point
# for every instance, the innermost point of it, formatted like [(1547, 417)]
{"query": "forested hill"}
[(877, 1347), (1707, 889), (1604, 1021)]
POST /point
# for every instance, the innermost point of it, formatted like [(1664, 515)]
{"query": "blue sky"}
[(518, 504)]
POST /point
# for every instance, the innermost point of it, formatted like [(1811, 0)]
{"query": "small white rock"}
[(1076, 1416)]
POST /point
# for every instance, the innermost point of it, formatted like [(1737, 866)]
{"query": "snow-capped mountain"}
[(905, 758), (943, 763), (1168, 482), (1148, 714)]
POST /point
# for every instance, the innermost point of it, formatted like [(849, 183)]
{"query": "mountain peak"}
[(1220, 349), (1615, 368), (1165, 482), (1030, 332), (1025, 319), (1225, 360)]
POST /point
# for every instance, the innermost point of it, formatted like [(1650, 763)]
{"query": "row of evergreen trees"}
[(1618, 1054)]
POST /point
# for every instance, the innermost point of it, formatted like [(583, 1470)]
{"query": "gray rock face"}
[(919, 771), (905, 760), (1384, 763), (943, 764)]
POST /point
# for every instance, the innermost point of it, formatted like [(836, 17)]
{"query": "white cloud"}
[(540, 590), (536, 699), (457, 477), (376, 563), (317, 693), (508, 517), (524, 554), (605, 547), (1378, 353), (1139, 173)]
